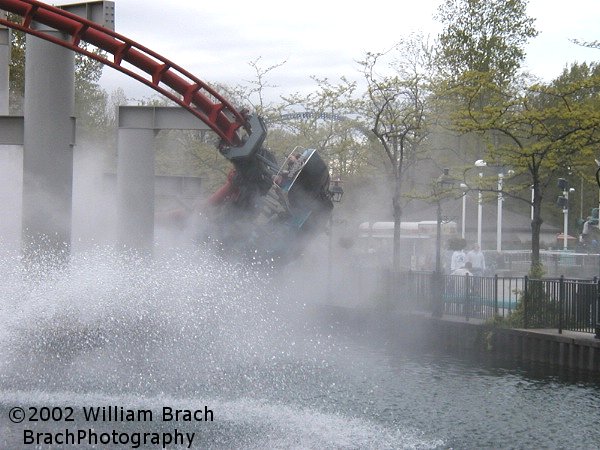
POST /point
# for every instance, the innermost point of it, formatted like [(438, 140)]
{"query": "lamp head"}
[(563, 184), (562, 202), (336, 191)]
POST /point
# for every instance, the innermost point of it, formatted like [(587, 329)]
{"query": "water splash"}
[(248, 423), (137, 316), (182, 328)]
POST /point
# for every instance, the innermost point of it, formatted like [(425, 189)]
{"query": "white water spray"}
[(183, 329)]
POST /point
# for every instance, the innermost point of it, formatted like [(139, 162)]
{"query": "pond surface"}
[(142, 336)]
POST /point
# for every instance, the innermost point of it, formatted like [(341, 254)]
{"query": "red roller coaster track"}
[(161, 74)]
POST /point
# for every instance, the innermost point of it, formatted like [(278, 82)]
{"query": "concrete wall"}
[(578, 351), (571, 350)]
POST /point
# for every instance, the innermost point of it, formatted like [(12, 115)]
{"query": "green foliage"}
[(536, 271), (537, 301), (497, 321), (94, 118), (486, 36), (17, 68), (537, 130)]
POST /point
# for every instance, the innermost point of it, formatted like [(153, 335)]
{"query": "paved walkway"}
[(577, 335), (566, 334)]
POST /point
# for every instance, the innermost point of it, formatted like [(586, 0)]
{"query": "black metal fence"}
[(561, 303)]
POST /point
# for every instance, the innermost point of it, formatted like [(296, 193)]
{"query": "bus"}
[(417, 242)]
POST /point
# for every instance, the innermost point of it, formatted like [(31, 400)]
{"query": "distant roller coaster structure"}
[(312, 115)]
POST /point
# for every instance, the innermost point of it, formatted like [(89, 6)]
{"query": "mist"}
[(118, 321), (188, 325), (288, 354)]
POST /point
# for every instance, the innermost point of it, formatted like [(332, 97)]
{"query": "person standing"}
[(459, 258), (477, 260)]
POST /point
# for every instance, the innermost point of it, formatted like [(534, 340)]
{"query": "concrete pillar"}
[(138, 126), (135, 189), (11, 176), (48, 142)]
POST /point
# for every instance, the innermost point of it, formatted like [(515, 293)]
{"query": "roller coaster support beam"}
[(49, 138), (48, 147), (138, 126), (135, 188)]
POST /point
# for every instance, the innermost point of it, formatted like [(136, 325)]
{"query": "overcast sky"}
[(216, 40)]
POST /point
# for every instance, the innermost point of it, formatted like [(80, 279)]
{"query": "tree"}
[(395, 107), (589, 44), (259, 85), (479, 39), (543, 130), (92, 106), (481, 48), (326, 120), (486, 36), (197, 151)]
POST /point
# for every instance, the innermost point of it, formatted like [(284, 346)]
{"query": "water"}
[(189, 330)]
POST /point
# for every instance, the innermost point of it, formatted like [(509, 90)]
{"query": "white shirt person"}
[(477, 260), (459, 258)]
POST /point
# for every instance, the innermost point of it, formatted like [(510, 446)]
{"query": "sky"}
[(216, 41)]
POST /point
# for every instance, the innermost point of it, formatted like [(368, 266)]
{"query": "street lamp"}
[(336, 193), (532, 200), (500, 201), (464, 188), (479, 163), (597, 335), (499, 215), (598, 182), (442, 182), (563, 202)]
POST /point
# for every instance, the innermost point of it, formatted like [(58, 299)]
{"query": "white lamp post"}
[(598, 164), (336, 192), (499, 215), (564, 203), (464, 188), (479, 163), (532, 199), (565, 222), (500, 201)]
